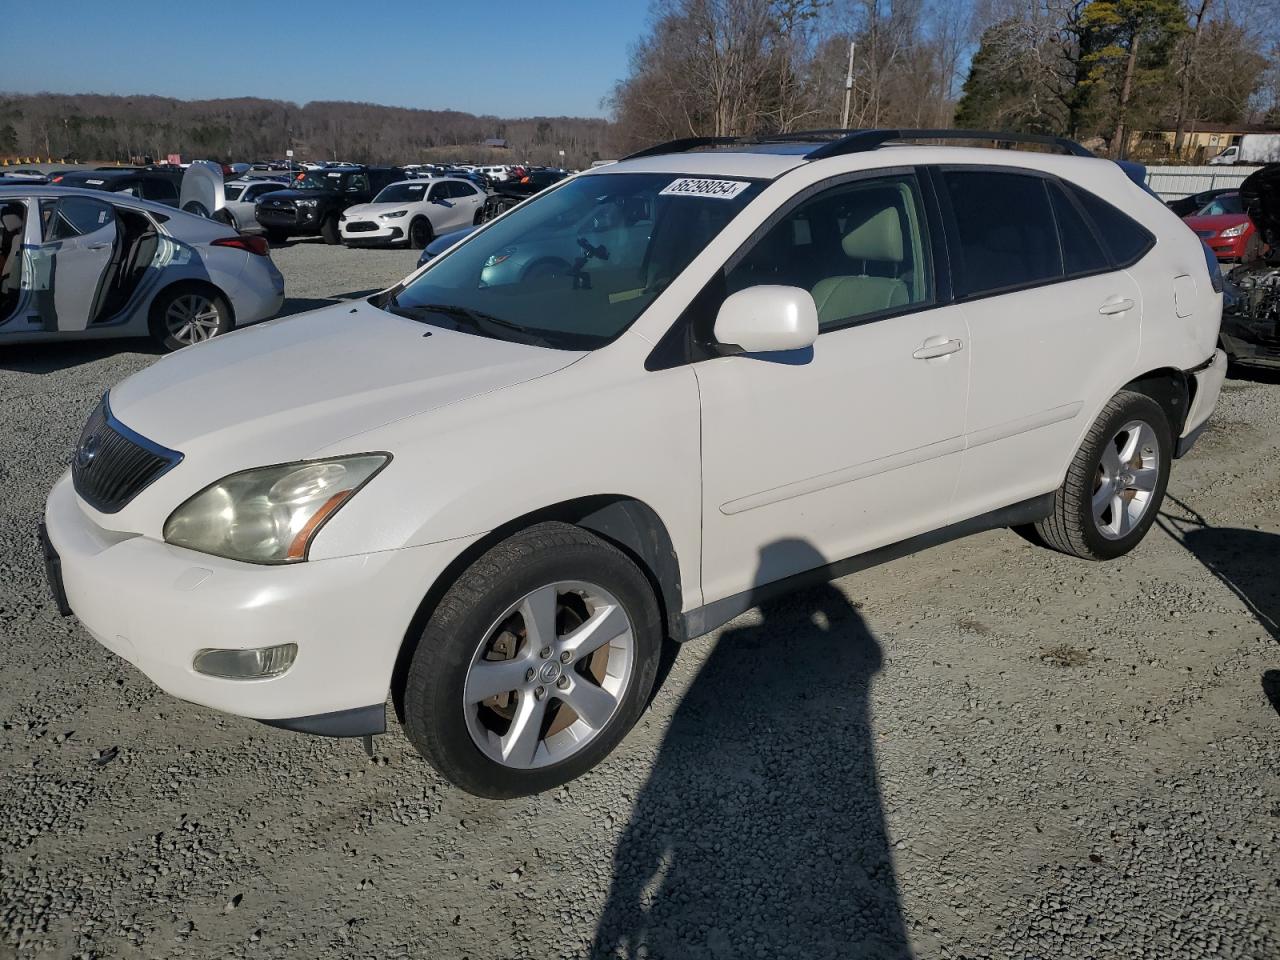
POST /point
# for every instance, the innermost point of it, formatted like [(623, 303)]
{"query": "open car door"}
[(74, 263), (202, 190)]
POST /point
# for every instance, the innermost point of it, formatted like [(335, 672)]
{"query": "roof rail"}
[(841, 142), (680, 146), (858, 141)]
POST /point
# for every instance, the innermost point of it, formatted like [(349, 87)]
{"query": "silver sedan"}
[(84, 264)]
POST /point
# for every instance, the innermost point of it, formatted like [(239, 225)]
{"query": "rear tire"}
[(1115, 484), (484, 620), (186, 315), (329, 231)]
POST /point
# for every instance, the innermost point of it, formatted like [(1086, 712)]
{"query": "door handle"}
[(1115, 305), (936, 347), (98, 246)]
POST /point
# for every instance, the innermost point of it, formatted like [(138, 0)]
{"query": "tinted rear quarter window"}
[(1082, 253), (1006, 231), (1125, 238)]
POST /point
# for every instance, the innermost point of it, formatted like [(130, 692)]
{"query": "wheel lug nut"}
[(545, 653), (566, 657), (563, 683), (540, 693), (529, 675)]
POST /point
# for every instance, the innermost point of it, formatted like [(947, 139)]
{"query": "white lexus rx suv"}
[(723, 369)]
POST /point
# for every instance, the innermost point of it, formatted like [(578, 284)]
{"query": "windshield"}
[(574, 267), (402, 192), (318, 180), (1229, 203)]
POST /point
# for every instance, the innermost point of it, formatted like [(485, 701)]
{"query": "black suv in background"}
[(161, 184), (316, 199)]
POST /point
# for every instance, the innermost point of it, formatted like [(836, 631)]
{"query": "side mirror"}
[(768, 318)]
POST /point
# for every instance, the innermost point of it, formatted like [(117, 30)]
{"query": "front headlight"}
[(307, 202), (393, 215), (1235, 231), (270, 514)]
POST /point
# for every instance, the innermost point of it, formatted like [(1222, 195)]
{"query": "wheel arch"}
[(188, 283), (1172, 389), (629, 524)]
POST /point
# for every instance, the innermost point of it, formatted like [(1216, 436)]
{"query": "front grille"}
[(361, 226), (111, 464), (286, 212)]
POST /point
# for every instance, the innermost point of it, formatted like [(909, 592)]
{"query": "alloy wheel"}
[(549, 674), (191, 318), (1126, 479)]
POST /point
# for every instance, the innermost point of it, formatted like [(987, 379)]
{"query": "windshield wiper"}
[(476, 319)]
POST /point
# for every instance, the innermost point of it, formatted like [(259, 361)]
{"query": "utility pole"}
[(848, 89)]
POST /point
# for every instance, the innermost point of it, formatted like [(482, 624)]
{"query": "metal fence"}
[(1172, 183)]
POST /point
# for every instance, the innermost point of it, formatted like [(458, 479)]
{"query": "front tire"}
[(186, 315), (535, 663), (1115, 484), (329, 231), (419, 233)]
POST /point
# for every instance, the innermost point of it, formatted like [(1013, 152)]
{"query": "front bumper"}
[(1229, 248), (1208, 385), (157, 605), (357, 233)]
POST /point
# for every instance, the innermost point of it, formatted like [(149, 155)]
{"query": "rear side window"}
[(157, 189), (233, 193), (1082, 253), (1125, 238), (1006, 231), (75, 217)]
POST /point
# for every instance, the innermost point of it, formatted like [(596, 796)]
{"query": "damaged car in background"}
[(1251, 292)]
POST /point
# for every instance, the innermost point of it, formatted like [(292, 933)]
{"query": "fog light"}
[(246, 664)]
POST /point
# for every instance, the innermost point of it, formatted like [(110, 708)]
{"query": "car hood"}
[(1217, 222), (286, 389), (1260, 194), (373, 209)]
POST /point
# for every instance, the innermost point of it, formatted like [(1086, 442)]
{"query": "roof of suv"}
[(769, 157)]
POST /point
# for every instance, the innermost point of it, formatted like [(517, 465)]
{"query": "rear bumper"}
[(1208, 385)]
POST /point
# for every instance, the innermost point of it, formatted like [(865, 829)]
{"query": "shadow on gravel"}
[(1245, 562), (53, 356), (761, 831)]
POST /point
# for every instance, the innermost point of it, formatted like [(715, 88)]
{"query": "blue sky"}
[(501, 57)]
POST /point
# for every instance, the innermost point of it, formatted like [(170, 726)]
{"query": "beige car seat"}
[(876, 239), (11, 221)]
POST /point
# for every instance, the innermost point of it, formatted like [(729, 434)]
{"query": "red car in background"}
[(1226, 228)]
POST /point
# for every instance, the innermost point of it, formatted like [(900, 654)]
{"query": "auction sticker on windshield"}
[(697, 187)]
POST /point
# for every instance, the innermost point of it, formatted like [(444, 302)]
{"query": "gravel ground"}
[(986, 750)]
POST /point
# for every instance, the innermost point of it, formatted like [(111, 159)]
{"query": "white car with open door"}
[(413, 212), (84, 264), (495, 497)]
